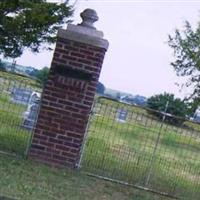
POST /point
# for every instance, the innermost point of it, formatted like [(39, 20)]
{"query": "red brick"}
[(62, 51), (71, 144), (55, 141), (99, 60), (60, 158), (97, 49), (91, 89), (40, 137), (75, 135), (59, 95), (75, 151), (66, 104), (56, 105), (62, 147), (65, 138), (89, 93), (47, 144), (49, 133), (70, 48), (76, 64), (79, 55), (59, 60), (89, 98), (85, 61), (100, 55), (68, 154), (57, 130), (37, 146), (52, 150), (51, 114), (86, 52), (78, 115), (42, 126), (82, 106), (66, 57)]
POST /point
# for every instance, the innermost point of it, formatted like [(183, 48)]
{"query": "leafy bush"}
[(175, 107)]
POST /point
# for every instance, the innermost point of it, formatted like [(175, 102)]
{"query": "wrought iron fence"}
[(136, 146), (19, 105)]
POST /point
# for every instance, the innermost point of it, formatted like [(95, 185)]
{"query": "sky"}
[(138, 58)]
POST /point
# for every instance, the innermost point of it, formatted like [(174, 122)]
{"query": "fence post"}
[(69, 93)]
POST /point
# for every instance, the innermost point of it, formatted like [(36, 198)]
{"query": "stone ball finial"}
[(89, 16)]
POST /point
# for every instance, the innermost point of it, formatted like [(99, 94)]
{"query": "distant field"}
[(123, 151)]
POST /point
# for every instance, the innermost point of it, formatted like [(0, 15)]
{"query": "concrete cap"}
[(89, 16), (85, 32)]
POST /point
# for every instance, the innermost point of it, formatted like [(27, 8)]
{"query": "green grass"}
[(24, 180), (123, 151), (13, 137)]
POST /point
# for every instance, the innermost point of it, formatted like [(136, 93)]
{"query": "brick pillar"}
[(69, 93)]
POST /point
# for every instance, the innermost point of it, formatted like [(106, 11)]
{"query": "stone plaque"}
[(122, 115), (21, 95), (67, 71)]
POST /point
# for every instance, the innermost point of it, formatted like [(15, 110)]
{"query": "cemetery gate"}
[(19, 105), (144, 148)]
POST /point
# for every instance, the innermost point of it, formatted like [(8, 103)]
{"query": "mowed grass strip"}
[(22, 179)]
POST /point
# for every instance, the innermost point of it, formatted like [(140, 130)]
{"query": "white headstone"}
[(30, 116)]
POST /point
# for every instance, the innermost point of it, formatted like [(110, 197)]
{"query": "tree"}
[(100, 88), (175, 107), (186, 48), (29, 24), (42, 75)]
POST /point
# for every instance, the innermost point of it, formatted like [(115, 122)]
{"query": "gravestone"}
[(21, 95), (35, 97), (122, 115), (30, 116)]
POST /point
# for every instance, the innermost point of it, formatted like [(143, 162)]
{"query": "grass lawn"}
[(14, 138), (123, 151), (23, 179)]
